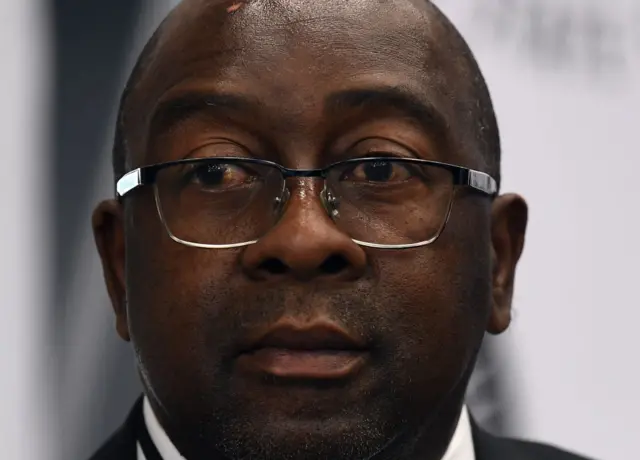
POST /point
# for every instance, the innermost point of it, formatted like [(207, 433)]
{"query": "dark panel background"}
[(93, 41)]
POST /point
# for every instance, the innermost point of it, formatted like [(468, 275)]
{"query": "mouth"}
[(316, 351)]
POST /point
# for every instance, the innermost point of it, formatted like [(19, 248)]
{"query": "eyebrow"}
[(185, 106), (180, 108), (396, 98)]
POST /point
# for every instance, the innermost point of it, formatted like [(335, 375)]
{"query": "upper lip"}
[(319, 335)]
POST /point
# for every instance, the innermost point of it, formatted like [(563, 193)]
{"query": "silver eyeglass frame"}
[(465, 177)]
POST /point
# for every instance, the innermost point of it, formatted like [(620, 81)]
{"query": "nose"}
[(304, 245)]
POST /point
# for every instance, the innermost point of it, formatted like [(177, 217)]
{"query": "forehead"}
[(354, 36), (296, 53)]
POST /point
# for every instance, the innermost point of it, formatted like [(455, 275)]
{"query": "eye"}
[(383, 171), (219, 176)]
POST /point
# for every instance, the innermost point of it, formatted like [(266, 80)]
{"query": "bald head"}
[(431, 31)]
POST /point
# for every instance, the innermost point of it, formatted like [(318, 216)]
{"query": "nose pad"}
[(280, 202), (330, 202)]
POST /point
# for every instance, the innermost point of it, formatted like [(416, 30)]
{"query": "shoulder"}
[(117, 447), (534, 450), (490, 447), (122, 444)]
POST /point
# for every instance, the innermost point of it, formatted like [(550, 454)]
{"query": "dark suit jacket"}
[(122, 445)]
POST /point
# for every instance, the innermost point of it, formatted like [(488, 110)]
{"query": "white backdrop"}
[(568, 104), (25, 393)]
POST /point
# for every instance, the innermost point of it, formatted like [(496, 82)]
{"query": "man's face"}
[(418, 316)]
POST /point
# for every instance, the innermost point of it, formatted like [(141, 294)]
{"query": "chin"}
[(266, 423), (292, 439)]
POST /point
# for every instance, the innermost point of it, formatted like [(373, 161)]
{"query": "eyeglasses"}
[(381, 202)]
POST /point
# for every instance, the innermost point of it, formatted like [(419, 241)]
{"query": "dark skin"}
[(422, 312)]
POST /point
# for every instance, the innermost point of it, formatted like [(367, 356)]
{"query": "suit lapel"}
[(123, 445), (489, 447)]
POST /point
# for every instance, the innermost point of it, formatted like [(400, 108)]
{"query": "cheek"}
[(164, 278), (440, 307), (171, 319)]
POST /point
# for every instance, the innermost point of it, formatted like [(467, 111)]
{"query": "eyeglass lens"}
[(389, 202)]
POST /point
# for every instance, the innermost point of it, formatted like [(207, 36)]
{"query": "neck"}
[(430, 442)]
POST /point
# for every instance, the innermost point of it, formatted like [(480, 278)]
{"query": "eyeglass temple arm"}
[(480, 181), (129, 182)]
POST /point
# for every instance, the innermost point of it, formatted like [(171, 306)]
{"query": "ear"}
[(108, 231), (509, 217)]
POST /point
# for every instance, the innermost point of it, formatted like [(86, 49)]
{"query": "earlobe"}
[(108, 231), (508, 227)]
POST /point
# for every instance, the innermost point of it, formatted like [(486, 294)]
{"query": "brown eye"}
[(219, 176), (383, 171)]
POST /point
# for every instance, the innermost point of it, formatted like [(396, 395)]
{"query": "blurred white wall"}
[(25, 393), (568, 104)]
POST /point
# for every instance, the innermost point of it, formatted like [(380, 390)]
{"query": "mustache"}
[(233, 313)]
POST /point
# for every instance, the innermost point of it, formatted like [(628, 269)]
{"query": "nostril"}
[(334, 264), (275, 266)]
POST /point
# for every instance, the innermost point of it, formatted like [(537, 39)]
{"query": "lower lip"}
[(304, 364)]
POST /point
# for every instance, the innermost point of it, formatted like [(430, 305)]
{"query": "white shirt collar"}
[(165, 447), (461, 444), (460, 447)]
